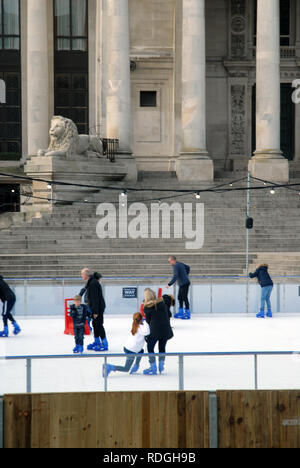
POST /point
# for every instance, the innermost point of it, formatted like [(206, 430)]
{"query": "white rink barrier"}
[(228, 296), (181, 356)]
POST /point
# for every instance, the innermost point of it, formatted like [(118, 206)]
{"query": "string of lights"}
[(174, 193), (51, 183)]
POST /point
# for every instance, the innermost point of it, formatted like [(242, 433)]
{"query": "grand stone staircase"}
[(62, 243)]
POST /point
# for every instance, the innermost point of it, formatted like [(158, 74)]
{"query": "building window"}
[(71, 62), (285, 22), (10, 118), (10, 73), (148, 99), (71, 25), (10, 24), (71, 98)]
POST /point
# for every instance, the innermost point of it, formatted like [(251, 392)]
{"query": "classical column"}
[(194, 163), (37, 76), (268, 162), (118, 86)]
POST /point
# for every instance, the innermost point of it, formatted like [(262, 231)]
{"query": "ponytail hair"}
[(137, 320)]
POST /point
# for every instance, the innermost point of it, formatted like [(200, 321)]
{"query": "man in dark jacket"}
[(181, 276), (8, 297), (83, 293), (79, 313), (266, 284), (96, 303)]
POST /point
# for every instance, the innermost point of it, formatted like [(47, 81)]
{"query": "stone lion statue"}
[(65, 141)]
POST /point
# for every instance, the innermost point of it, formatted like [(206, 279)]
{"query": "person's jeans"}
[(79, 335), (130, 358), (265, 297), (151, 343), (183, 296), (6, 311)]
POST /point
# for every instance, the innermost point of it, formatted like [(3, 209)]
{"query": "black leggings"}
[(99, 331), (151, 343), (130, 358), (6, 311), (183, 296)]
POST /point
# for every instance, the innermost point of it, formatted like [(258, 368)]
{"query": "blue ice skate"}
[(76, 350), (92, 346), (152, 370), (17, 329), (102, 346), (186, 315), (107, 369), (179, 314), (80, 349), (261, 314), (4, 333), (269, 314), (161, 366)]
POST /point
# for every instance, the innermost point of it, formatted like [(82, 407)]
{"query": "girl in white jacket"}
[(134, 345)]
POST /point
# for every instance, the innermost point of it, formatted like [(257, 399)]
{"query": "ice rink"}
[(44, 336)]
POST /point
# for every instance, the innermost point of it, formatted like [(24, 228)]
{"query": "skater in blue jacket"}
[(8, 297), (266, 284)]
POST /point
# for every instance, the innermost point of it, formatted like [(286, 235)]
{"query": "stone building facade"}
[(191, 86)]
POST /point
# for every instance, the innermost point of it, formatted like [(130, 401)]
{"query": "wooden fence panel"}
[(259, 419), (107, 420), (17, 421), (246, 419)]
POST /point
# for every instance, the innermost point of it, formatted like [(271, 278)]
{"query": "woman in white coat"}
[(133, 346)]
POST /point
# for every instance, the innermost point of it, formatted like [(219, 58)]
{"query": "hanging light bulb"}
[(272, 192), (197, 195)]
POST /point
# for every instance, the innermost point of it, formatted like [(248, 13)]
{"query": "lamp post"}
[(249, 225)]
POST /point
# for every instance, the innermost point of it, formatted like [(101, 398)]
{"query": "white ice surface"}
[(44, 336)]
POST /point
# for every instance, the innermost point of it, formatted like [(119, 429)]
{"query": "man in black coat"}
[(96, 303), (8, 297)]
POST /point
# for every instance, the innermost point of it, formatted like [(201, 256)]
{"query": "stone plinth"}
[(193, 168), (89, 171), (273, 170)]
